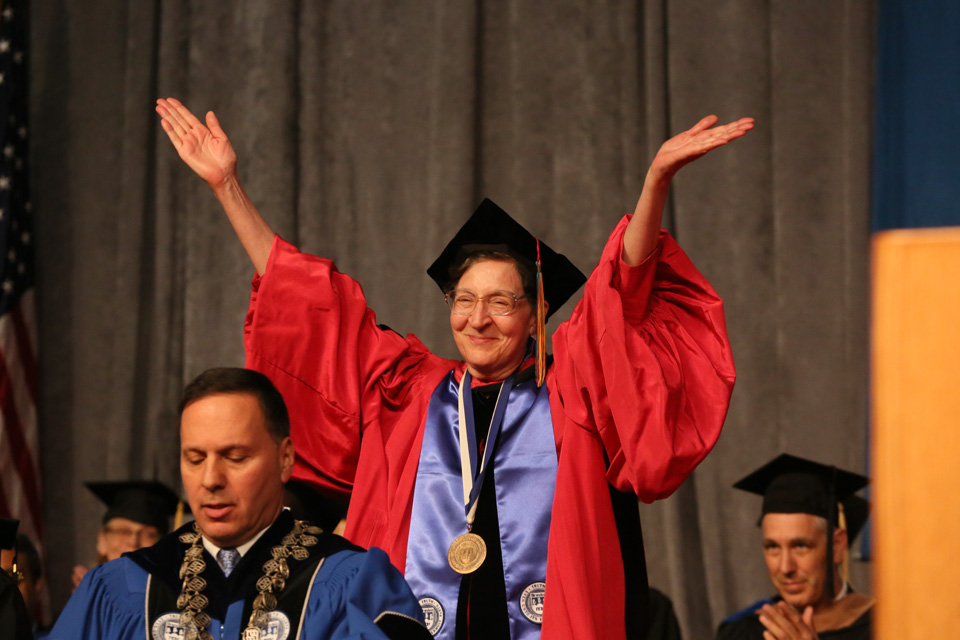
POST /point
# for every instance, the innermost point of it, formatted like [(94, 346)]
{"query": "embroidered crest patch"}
[(167, 627), (432, 614), (278, 627), (531, 602)]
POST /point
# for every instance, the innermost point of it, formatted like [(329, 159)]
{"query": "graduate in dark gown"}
[(245, 567), (805, 542), (662, 623), (138, 514), (32, 583), (14, 619)]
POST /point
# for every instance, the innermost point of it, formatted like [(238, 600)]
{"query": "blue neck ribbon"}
[(523, 451)]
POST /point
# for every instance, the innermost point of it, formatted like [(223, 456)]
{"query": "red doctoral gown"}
[(638, 389)]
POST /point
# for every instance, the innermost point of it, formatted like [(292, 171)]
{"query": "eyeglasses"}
[(15, 572), (137, 536), (497, 303)]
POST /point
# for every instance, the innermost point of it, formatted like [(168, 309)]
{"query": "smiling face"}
[(795, 549), (233, 471), (493, 346), (120, 535)]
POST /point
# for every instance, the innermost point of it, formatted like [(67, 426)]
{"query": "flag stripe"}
[(19, 436), (4, 506), (11, 348), (27, 311), (23, 460), (11, 493), (28, 364)]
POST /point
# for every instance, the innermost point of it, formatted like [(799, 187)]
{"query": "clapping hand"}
[(783, 622)]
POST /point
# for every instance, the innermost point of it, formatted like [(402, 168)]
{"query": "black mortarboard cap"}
[(307, 503), (856, 510), (145, 501), (8, 532), (491, 228), (790, 484)]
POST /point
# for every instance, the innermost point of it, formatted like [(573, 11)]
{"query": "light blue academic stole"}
[(525, 459)]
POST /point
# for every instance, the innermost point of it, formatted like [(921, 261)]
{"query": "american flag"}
[(19, 454)]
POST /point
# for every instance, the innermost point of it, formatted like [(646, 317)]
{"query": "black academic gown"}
[(14, 619), (750, 628), (661, 619)]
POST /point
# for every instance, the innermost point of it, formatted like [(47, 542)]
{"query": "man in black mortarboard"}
[(138, 514), (14, 619), (32, 583), (805, 541)]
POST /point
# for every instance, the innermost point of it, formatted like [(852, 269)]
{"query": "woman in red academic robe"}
[(511, 509)]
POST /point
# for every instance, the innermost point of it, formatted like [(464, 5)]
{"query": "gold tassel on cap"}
[(541, 370), (845, 563), (178, 516)]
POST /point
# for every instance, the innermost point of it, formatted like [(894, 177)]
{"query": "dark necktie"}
[(227, 559)]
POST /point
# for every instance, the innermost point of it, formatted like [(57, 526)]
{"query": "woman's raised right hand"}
[(205, 149)]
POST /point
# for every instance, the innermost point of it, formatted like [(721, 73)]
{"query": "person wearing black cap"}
[(504, 485), (138, 514), (806, 535), (245, 567), (31, 580), (14, 618)]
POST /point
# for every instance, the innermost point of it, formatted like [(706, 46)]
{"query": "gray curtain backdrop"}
[(367, 132)]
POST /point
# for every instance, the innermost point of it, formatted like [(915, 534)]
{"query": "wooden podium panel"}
[(915, 400)]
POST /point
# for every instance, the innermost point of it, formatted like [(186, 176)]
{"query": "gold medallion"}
[(467, 553)]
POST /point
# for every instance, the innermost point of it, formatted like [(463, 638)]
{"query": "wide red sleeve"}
[(645, 362), (309, 330)]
